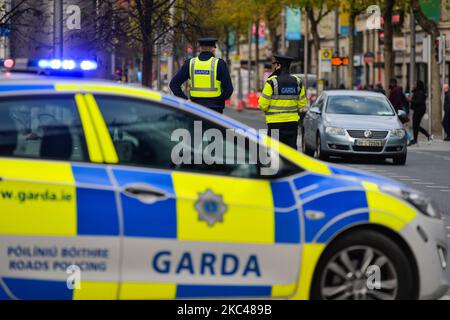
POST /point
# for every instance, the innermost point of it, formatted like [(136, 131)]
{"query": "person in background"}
[(418, 105), (446, 120), (396, 96), (379, 88), (282, 99), (209, 78)]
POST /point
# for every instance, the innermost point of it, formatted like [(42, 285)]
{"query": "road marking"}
[(410, 179), (445, 190), (438, 187), (448, 227), (404, 177), (424, 183)]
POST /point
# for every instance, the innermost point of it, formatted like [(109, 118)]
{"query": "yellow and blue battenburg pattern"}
[(90, 211), (303, 213)]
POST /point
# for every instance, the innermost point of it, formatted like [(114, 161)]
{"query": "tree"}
[(431, 27), (388, 50), (148, 23), (354, 8), (315, 12), (21, 17), (388, 7)]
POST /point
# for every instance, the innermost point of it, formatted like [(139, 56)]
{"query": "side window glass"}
[(41, 128), (149, 134)]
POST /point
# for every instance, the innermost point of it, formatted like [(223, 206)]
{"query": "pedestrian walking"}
[(396, 96), (209, 78), (446, 119), (282, 98), (418, 105)]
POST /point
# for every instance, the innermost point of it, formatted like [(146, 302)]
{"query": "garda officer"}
[(209, 79), (282, 99)]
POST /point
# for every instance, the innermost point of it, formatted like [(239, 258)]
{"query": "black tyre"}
[(305, 149), (319, 154), (400, 160), (347, 270)]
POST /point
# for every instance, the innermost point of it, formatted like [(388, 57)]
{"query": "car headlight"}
[(420, 201), (398, 133), (335, 131)]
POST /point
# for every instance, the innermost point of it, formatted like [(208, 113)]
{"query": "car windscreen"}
[(359, 105)]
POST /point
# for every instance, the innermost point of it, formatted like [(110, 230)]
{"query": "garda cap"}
[(208, 42), (283, 60)]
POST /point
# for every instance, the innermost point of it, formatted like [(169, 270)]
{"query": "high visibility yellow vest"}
[(282, 98), (203, 78)]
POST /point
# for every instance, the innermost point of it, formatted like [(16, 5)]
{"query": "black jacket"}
[(418, 102), (222, 75), (447, 103)]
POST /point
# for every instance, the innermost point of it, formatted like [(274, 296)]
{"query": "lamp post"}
[(58, 29)]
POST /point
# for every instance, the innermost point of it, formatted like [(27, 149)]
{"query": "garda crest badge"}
[(210, 207)]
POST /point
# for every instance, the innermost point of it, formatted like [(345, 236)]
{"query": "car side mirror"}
[(315, 110), (401, 113)]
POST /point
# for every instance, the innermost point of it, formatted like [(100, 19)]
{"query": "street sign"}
[(326, 54), (325, 60), (293, 23), (399, 44)]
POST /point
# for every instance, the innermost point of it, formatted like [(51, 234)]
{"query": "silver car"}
[(354, 123)]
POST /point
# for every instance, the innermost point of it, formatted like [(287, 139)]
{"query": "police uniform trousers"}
[(287, 131)]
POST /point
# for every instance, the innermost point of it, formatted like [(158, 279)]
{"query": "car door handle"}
[(144, 194)]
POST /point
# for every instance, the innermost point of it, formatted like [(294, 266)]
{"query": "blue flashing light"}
[(67, 65), (55, 64), (87, 65), (44, 64)]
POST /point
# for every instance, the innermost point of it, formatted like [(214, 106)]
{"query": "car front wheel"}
[(364, 265), (305, 149), (400, 160), (319, 154)]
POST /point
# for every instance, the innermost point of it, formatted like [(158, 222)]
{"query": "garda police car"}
[(92, 206)]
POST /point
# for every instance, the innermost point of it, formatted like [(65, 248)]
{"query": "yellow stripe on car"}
[(387, 210), (42, 198), (107, 88), (310, 257), (109, 151), (296, 157), (147, 291), (64, 87), (283, 290), (254, 224), (96, 291), (94, 148)]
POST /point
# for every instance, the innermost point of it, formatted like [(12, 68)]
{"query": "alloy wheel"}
[(346, 276)]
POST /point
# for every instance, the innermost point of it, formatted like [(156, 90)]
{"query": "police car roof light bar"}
[(69, 65)]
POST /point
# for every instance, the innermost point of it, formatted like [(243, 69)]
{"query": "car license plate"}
[(369, 143)]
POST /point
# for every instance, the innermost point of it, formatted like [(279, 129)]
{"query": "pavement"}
[(427, 168)]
